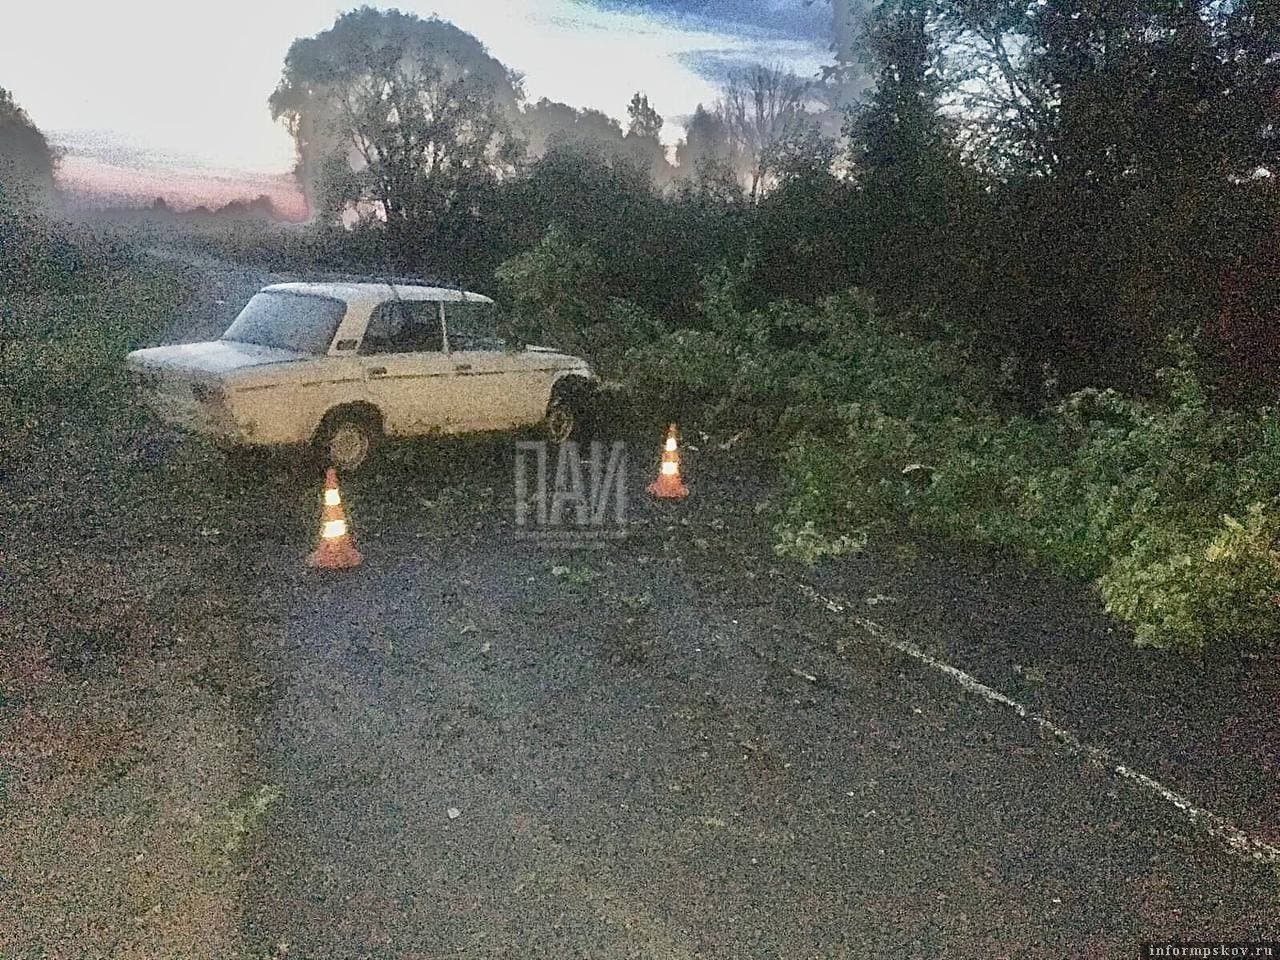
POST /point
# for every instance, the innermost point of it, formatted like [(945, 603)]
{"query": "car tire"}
[(347, 441), (562, 423), (569, 413)]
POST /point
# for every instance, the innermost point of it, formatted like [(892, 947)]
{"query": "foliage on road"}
[(1169, 504)]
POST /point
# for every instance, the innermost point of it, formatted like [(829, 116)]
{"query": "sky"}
[(169, 97)]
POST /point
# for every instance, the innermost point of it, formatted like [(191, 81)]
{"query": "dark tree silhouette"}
[(706, 140), (645, 121), (548, 123), (761, 110), (27, 162), (415, 112), (641, 143)]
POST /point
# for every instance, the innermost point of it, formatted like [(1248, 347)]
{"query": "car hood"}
[(216, 357)]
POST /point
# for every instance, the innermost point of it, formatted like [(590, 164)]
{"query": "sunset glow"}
[(200, 105), (94, 183)]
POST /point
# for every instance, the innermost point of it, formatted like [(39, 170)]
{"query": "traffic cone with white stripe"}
[(336, 551), (669, 486)]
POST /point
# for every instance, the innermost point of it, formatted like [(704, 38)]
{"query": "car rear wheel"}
[(346, 443)]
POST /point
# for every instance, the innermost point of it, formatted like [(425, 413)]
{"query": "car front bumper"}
[(174, 401)]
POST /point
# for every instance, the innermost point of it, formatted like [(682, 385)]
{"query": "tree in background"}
[(608, 202), (705, 144), (1104, 90), (34, 260), (1247, 328), (997, 104), (548, 123), (915, 194), (27, 162), (415, 109), (1109, 154), (642, 143), (1158, 114), (760, 110), (810, 236), (843, 82), (645, 121)]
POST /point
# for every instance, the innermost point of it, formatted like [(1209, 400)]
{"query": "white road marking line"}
[(1219, 827)]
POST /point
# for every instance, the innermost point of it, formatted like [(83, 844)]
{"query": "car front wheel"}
[(570, 412), (562, 421)]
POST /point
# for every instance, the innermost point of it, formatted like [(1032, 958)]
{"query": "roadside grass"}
[(127, 682)]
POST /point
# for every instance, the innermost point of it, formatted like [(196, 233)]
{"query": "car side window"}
[(472, 325), (403, 326)]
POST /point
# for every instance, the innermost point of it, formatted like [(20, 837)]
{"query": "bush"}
[(66, 326), (556, 289), (1168, 505), (1177, 589)]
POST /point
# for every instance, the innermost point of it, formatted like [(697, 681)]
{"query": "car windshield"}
[(291, 321)]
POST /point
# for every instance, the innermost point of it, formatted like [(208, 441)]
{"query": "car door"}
[(492, 392), (407, 372)]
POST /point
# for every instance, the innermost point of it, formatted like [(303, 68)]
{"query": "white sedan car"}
[(343, 365)]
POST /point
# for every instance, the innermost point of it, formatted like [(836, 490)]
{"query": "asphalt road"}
[(638, 766), (489, 748)]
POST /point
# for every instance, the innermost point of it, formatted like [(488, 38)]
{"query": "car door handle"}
[(378, 371), (462, 366)]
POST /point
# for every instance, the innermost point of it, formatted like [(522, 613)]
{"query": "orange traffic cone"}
[(669, 486), (335, 550)]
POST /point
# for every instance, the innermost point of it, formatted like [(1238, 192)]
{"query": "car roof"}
[(372, 293)]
